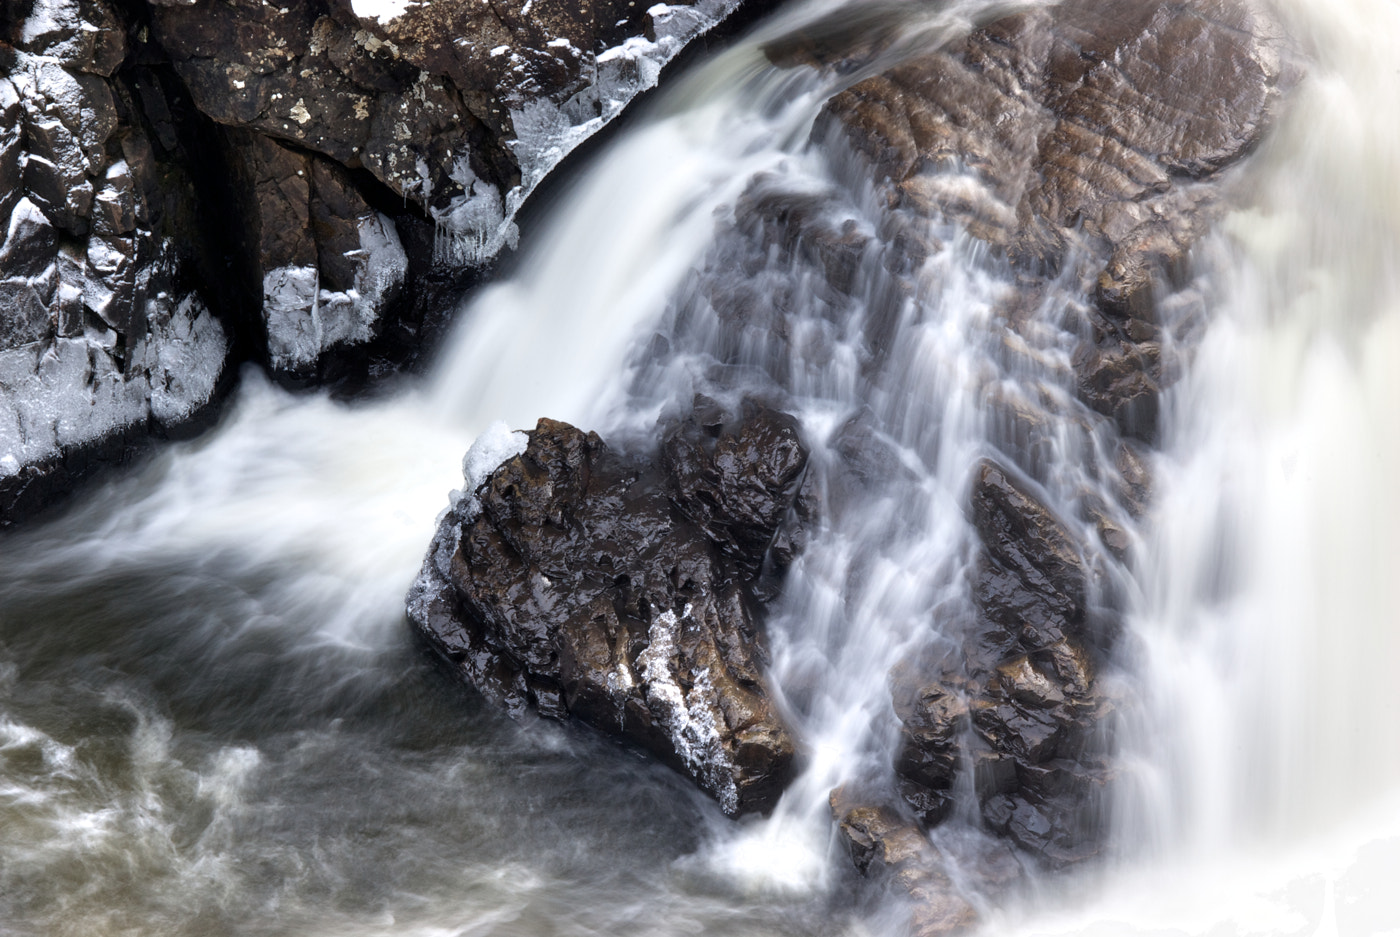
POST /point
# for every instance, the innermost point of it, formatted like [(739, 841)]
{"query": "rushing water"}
[(213, 718)]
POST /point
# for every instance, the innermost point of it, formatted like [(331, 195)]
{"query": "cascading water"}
[(212, 719)]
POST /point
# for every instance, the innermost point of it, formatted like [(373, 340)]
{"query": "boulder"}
[(579, 581)]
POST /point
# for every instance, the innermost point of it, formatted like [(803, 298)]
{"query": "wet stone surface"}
[(619, 591)]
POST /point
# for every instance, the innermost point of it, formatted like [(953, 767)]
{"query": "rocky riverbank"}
[(190, 185)]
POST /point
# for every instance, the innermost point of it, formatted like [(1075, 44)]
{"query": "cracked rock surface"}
[(353, 136), (106, 330), (585, 583), (187, 185)]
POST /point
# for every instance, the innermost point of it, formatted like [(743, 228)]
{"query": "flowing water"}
[(213, 718)]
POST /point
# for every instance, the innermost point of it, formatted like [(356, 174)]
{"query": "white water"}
[(1263, 778)]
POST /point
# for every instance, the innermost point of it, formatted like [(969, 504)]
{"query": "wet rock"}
[(1024, 537), (618, 590), (1076, 134), (934, 721), (1025, 701), (736, 480), (447, 115), (885, 845), (106, 338)]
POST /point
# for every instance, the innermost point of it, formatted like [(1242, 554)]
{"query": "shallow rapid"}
[(214, 718)]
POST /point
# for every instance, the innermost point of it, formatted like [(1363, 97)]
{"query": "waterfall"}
[(212, 718)]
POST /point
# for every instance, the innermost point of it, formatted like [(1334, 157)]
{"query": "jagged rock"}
[(449, 114), (885, 845), (1024, 700), (583, 582), (103, 335), (328, 262)]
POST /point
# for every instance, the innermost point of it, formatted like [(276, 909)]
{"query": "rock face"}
[(104, 332), (184, 185), (1079, 135), (353, 134), (328, 263), (585, 583), (1023, 699)]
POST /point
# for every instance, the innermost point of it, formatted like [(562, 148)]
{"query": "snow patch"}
[(497, 444), (382, 11)]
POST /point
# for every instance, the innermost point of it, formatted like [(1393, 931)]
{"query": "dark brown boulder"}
[(619, 591)]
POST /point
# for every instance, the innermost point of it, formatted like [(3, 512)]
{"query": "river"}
[(214, 718)]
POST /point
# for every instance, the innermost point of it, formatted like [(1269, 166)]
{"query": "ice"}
[(480, 224), (303, 320), (187, 348), (291, 314), (49, 19), (493, 447), (690, 718)]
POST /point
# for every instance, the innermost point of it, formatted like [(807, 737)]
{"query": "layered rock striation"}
[(1086, 138), (580, 582)]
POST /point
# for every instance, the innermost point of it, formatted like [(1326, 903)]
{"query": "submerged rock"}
[(581, 582), (883, 844), (1080, 134)]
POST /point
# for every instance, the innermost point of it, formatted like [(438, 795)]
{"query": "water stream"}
[(213, 718)]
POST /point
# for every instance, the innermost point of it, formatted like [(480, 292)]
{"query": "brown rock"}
[(593, 585), (884, 845), (1076, 126)]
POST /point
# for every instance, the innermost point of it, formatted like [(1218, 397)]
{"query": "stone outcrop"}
[(107, 325), (582, 582), (1087, 146), (327, 262), (187, 185), (359, 136), (1023, 701)]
